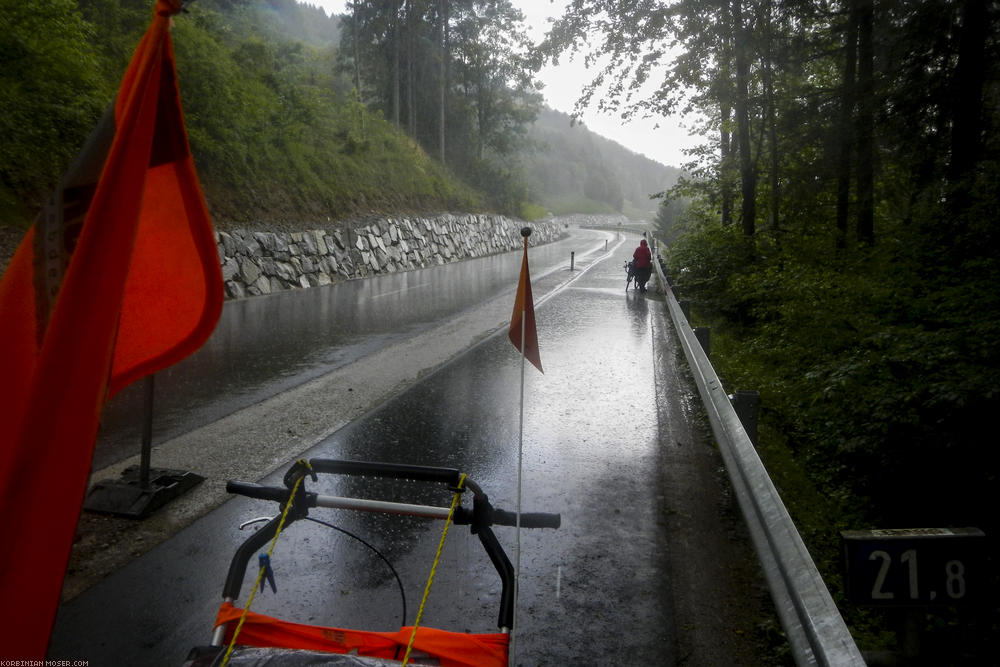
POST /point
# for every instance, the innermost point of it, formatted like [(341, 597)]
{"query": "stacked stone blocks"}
[(261, 262)]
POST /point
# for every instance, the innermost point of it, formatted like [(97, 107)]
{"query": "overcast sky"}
[(563, 85)]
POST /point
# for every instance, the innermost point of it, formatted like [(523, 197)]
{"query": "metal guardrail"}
[(816, 631)]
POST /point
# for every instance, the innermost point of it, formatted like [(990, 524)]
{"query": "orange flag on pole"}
[(522, 320), (117, 279)]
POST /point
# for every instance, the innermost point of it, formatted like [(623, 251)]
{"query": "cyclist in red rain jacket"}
[(643, 265)]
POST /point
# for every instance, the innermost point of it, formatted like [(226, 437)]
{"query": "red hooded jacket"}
[(643, 258)]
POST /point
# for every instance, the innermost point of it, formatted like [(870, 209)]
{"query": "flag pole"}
[(525, 233), (521, 334)]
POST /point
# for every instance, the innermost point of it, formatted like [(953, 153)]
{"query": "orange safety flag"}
[(524, 311), (117, 279), (450, 649)]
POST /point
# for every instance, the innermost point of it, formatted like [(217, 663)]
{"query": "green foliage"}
[(279, 131), (671, 215), (707, 258), (873, 360), (117, 26), (50, 95), (532, 212), (455, 76), (283, 138), (276, 135), (877, 369)]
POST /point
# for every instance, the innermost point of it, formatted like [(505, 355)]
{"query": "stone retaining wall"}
[(255, 263)]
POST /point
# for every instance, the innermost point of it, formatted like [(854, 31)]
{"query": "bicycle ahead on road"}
[(242, 637), (630, 274), (634, 277)]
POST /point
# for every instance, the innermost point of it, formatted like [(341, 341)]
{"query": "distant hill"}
[(290, 19), (571, 168)]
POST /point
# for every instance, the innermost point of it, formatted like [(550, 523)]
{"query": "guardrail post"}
[(704, 336), (747, 405), (686, 309)]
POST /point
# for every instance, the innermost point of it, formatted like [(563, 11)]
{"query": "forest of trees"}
[(277, 137), (454, 74), (294, 115), (838, 231)]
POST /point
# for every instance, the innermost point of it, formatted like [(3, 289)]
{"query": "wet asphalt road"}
[(266, 345), (596, 591)]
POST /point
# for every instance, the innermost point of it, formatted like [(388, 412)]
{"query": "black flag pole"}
[(141, 490)]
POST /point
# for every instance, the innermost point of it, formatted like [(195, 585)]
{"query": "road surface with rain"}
[(650, 564)]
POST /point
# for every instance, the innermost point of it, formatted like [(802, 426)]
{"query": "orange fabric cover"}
[(453, 649), (141, 289)]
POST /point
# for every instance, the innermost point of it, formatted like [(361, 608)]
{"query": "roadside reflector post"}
[(686, 309), (572, 259), (704, 336), (747, 405)]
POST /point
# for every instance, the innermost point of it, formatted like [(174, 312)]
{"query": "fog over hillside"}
[(568, 166)]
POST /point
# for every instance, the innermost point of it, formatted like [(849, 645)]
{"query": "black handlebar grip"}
[(252, 490), (528, 519)]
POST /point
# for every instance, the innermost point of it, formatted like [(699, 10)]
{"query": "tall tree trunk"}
[(443, 87), (723, 92), (846, 138), (357, 65), (482, 116), (357, 48), (411, 102), (725, 164), (866, 124), (772, 125), (748, 175), (967, 101), (395, 31)]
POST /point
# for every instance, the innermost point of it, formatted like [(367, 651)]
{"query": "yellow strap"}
[(437, 557), (260, 572)]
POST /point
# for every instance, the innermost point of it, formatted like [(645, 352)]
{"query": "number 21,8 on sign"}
[(913, 567)]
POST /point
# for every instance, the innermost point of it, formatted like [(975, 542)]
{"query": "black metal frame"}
[(480, 517)]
